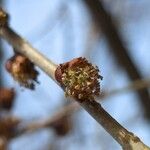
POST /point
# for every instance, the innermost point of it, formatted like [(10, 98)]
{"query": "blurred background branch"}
[(1, 54), (106, 23), (70, 108)]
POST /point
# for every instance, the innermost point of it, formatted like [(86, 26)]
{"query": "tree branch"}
[(120, 134)]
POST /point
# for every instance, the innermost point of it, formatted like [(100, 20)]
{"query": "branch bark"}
[(105, 22), (126, 139)]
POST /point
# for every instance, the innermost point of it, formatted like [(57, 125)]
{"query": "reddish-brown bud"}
[(79, 79), (3, 143), (6, 98), (62, 126), (7, 126), (22, 70), (3, 18)]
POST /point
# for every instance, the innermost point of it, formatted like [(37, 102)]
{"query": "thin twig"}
[(126, 139)]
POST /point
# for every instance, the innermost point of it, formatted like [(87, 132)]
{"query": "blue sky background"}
[(62, 30)]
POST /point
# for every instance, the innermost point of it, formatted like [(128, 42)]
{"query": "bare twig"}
[(126, 139)]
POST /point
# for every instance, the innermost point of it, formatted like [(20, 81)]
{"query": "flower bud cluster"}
[(79, 78)]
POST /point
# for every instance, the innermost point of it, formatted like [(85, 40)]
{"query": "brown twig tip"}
[(3, 143), (6, 98), (3, 18), (8, 126), (79, 79), (22, 70), (63, 126)]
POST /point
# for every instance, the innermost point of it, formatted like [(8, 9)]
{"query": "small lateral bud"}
[(22, 70), (7, 126), (3, 143), (3, 18), (62, 126), (6, 98)]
